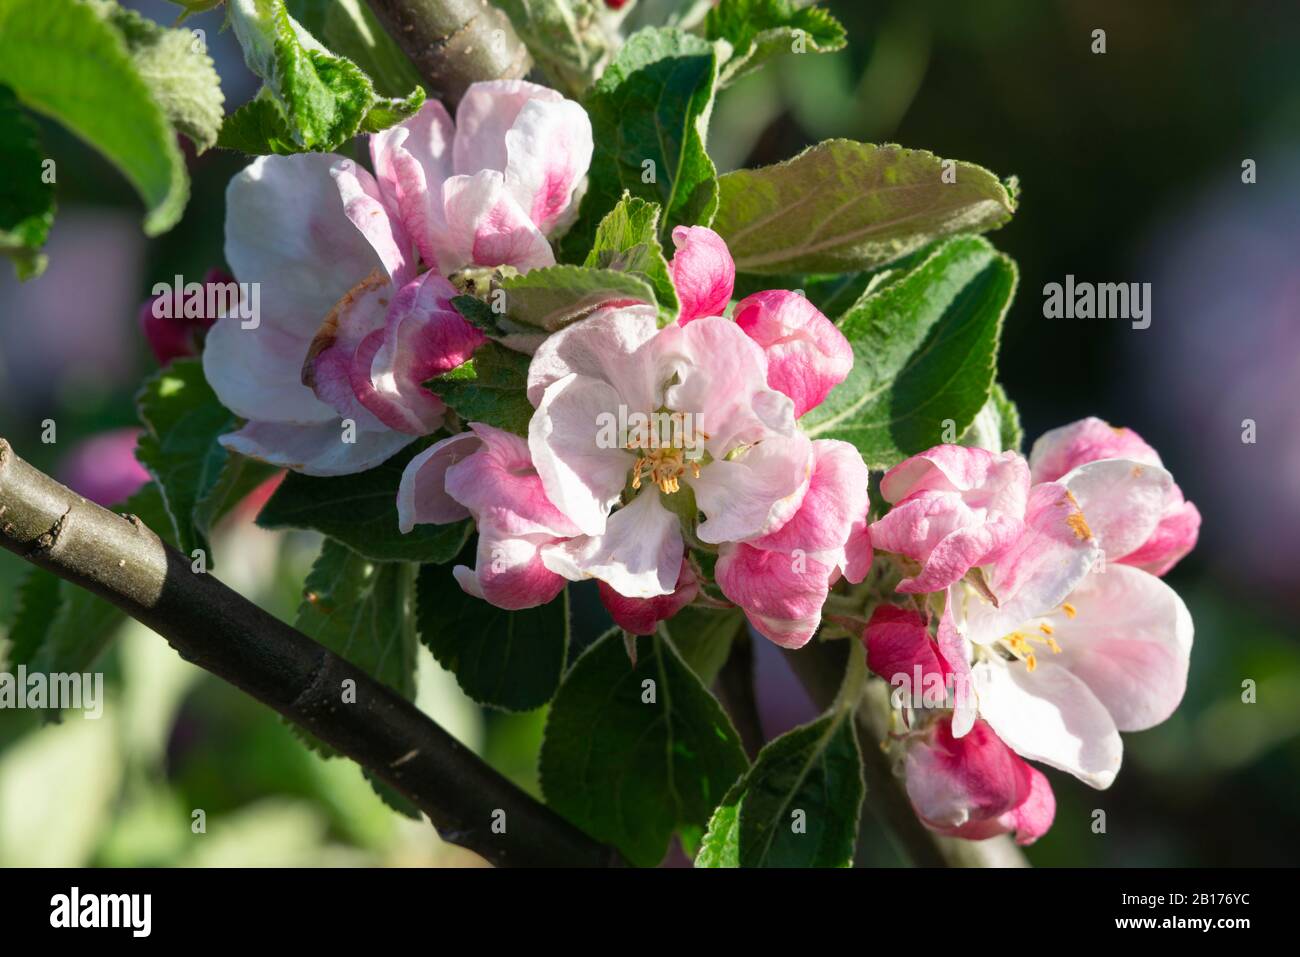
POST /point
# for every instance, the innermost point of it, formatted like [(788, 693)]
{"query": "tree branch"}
[(122, 561), (454, 43), (819, 666)]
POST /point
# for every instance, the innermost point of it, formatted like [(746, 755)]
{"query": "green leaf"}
[(489, 389), (649, 116), (198, 478), (798, 805), (997, 425), (506, 659), (841, 206), (552, 297), (312, 99), (761, 29), (564, 37), (26, 197), (627, 240), (633, 754), (66, 61), (478, 314), (176, 67), (388, 111), (349, 29), (703, 637), (925, 347), (361, 610), (361, 512)]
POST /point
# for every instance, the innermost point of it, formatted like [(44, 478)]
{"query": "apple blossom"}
[(330, 377), (641, 616), (1089, 440), (954, 508)]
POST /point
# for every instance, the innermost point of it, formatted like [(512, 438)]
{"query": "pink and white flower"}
[(641, 616), (487, 474), (1065, 651), (954, 508), (1091, 440), (356, 313)]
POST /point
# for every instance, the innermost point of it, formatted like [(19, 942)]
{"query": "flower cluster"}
[(358, 315), (652, 449), (1052, 630), (669, 465)]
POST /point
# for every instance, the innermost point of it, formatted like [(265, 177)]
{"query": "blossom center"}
[(1023, 645), (667, 448)]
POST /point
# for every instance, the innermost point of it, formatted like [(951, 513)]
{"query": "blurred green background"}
[(1130, 167)]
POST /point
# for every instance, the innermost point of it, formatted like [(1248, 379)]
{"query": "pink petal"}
[(549, 147), (1129, 641), (836, 499), (424, 337), (364, 205), (722, 380), (967, 782), (957, 508), (703, 272), (756, 492), (1174, 537), (485, 226), (581, 475), (330, 361), (422, 497), (499, 485), (1121, 499), (316, 449), (641, 616), (898, 643), (1087, 440), (485, 115), (806, 355), (412, 160), (508, 571), (781, 594), (607, 345)]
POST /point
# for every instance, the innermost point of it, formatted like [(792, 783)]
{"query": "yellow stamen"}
[(1070, 610)]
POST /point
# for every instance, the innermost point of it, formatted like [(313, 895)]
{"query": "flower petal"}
[(836, 499), (422, 497), (607, 345), (500, 487), (485, 115), (509, 571), (1130, 641), (485, 226), (549, 147), (1174, 537), (411, 161), (639, 555), (1051, 716), (782, 595), (703, 272), (364, 205), (581, 477), (641, 616), (316, 449), (754, 493), (1087, 440), (806, 355), (1121, 499)]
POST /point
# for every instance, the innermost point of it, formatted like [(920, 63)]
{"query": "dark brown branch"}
[(454, 43), (121, 560), (819, 667)]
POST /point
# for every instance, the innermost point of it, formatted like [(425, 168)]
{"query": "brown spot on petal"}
[(329, 327)]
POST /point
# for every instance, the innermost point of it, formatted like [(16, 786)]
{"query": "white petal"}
[(1122, 501), (606, 345), (581, 478), (286, 229), (755, 493), (486, 113), (422, 494), (1130, 641), (639, 555), (1049, 715), (315, 449), (257, 373), (549, 147), (483, 225)]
